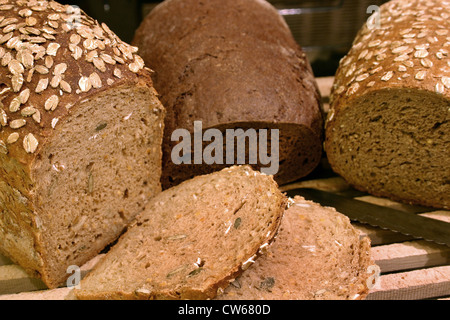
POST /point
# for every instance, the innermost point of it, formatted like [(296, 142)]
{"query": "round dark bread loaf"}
[(388, 132), (191, 239), (317, 255), (232, 64), (80, 137)]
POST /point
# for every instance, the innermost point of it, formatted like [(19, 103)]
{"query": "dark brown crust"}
[(230, 62), (395, 57)]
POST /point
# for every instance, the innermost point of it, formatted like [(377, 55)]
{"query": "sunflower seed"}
[(17, 124), (51, 103), (30, 143)]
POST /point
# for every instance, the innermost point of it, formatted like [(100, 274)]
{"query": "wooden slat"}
[(410, 255), (413, 285), (55, 294)]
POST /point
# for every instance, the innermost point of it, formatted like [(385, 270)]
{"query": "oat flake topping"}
[(410, 47), (41, 42)]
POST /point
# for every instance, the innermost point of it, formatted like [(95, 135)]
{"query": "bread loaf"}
[(80, 139), (388, 131), (232, 64), (317, 255), (191, 240)]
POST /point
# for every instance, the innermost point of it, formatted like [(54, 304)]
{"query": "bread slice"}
[(317, 255), (191, 239), (232, 64), (80, 139), (388, 131)]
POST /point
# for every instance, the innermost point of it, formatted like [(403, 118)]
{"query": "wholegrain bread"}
[(388, 130), (191, 240), (80, 139), (317, 255), (232, 64)]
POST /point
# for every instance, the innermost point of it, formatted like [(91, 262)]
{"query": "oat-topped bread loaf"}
[(191, 239), (232, 64), (81, 129), (317, 255), (388, 132)]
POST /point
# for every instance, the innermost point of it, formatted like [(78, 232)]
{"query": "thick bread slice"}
[(388, 131), (317, 255), (192, 239)]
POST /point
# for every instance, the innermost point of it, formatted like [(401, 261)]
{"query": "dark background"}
[(324, 28)]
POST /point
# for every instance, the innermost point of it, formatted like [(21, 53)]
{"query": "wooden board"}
[(410, 268)]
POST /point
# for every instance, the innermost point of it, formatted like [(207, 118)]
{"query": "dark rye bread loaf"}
[(388, 132), (192, 239), (80, 137), (232, 64), (317, 255)]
